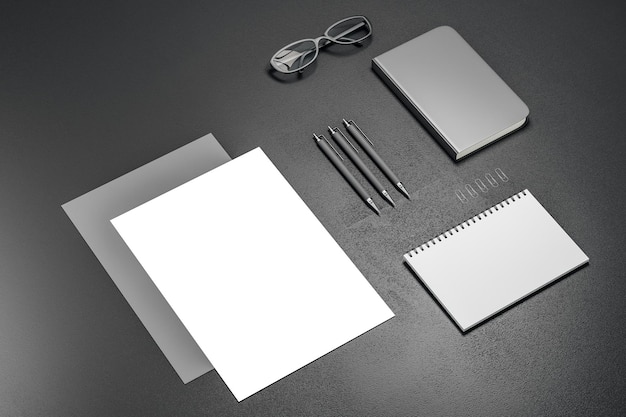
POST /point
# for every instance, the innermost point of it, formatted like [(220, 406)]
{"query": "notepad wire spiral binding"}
[(468, 223)]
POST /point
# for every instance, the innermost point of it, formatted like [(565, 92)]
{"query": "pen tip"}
[(403, 190), (373, 205), (388, 197), (345, 123)]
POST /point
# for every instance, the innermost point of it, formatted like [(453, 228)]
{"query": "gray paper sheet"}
[(91, 214)]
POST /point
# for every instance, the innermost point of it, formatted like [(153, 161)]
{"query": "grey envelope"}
[(91, 214)]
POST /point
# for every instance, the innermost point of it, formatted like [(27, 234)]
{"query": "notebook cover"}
[(91, 214), (452, 91), (495, 259)]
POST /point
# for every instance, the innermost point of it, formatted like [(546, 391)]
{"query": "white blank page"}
[(250, 271), (495, 259)]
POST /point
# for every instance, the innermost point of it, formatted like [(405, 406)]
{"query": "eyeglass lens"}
[(351, 30), (295, 56)]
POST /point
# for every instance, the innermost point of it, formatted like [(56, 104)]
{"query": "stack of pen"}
[(349, 149)]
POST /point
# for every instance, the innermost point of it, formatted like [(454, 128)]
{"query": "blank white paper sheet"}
[(495, 259), (254, 276)]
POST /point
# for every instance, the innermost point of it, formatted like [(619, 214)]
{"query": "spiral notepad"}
[(495, 259)]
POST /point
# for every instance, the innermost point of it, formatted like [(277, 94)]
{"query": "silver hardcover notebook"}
[(91, 214), (461, 101)]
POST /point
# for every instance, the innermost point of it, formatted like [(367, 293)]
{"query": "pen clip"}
[(347, 140), (359, 129), (331, 145)]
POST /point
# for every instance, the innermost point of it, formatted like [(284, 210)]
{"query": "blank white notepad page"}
[(495, 259), (254, 276)]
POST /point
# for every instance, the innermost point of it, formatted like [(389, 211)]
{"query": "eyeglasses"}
[(300, 54)]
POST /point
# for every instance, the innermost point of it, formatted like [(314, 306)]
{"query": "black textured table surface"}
[(90, 91)]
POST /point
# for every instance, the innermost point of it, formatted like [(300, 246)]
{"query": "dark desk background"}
[(90, 91)]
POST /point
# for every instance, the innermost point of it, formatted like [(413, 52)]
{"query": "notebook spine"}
[(468, 223)]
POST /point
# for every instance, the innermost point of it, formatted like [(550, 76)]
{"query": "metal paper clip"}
[(472, 192), (461, 196), (491, 180), (502, 175), (481, 185)]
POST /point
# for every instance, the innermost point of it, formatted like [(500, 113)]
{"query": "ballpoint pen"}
[(336, 159), (351, 151), (366, 144)]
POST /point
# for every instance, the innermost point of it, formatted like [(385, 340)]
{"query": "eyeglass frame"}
[(317, 41)]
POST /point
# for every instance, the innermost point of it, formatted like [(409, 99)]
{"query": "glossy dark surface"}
[(90, 91)]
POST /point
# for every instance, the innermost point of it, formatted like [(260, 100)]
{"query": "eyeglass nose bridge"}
[(329, 40), (318, 45), (332, 40), (319, 39)]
